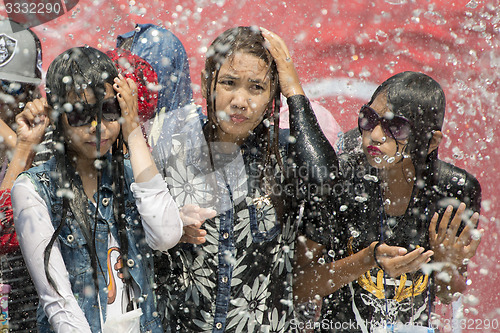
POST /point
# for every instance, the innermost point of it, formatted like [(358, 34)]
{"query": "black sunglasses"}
[(83, 114), (397, 127)]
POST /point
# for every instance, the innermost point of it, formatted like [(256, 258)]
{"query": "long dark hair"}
[(420, 99), (73, 72), (246, 40)]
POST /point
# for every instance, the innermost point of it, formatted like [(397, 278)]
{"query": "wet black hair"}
[(247, 40), (75, 70), (420, 99), (72, 72)]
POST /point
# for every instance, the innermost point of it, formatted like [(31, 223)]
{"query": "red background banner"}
[(343, 49)]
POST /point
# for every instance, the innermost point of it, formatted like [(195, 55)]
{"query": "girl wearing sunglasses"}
[(387, 214), (86, 213)]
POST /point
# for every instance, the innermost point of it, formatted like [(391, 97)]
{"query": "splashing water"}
[(396, 2)]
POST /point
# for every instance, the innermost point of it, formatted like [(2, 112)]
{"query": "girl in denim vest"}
[(89, 214)]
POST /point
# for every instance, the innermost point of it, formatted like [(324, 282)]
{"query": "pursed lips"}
[(373, 151), (238, 118)]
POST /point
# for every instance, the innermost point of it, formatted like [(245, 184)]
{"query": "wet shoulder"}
[(456, 183), (47, 168)]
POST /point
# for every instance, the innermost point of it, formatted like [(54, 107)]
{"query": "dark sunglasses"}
[(397, 127), (83, 114)]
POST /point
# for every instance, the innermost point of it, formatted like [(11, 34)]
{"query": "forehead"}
[(381, 106), (245, 64)]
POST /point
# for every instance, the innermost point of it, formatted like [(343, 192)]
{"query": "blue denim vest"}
[(76, 255)]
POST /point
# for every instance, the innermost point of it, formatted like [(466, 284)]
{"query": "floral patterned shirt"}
[(240, 279)]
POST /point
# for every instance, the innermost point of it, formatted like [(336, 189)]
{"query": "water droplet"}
[(396, 2), (331, 253), (381, 37), (68, 107), (435, 18), (221, 115), (472, 4), (98, 164), (457, 153), (321, 261), (370, 177), (343, 208), (475, 234), (471, 299), (360, 199), (486, 205)]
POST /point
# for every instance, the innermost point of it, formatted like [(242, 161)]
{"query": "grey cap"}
[(20, 54)]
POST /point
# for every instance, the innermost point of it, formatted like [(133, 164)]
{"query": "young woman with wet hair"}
[(237, 273), (89, 214), (386, 216)]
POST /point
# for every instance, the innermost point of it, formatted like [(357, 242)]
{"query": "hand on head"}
[(289, 80), (126, 93)]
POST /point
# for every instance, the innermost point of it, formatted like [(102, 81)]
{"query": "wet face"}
[(382, 150), (82, 139), (243, 93)]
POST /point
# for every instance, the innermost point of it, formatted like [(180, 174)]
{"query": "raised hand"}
[(289, 80), (126, 93), (449, 247), (395, 260), (193, 217), (32, 122)]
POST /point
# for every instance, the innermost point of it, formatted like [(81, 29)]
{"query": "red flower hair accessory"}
[(139, 70)]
